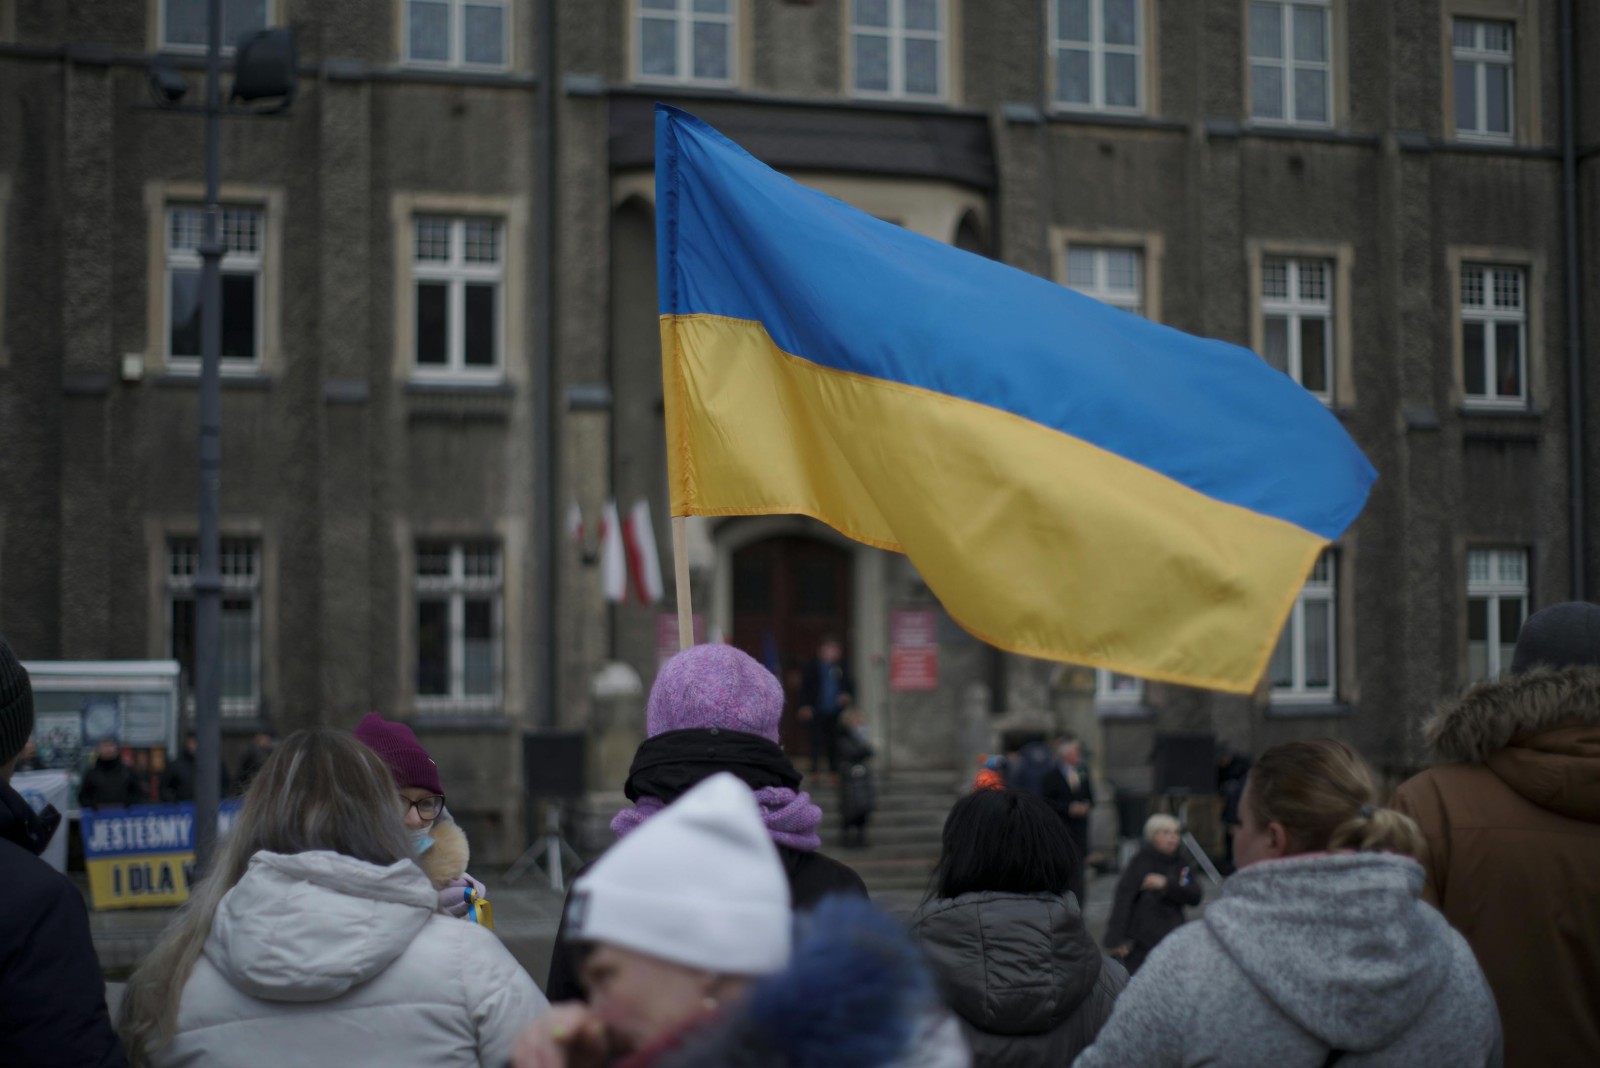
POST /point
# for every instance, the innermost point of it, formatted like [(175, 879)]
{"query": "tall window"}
[(457, 33), (897, 48), (1096, 46), (458, 592), (1494, 328), (1297, 321), (241, 285), (1112, 275), (1497, 604), (183, 22), (240, 564), (1111, 688), (458, 271), (1304, 664), (1291, 69), (686, 41), (1483, 76)]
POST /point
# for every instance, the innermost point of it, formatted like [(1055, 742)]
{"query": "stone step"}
[(886, 834)]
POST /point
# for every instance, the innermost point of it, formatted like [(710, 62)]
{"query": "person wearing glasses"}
[(439, 842)]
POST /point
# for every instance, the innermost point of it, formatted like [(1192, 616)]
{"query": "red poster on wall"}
[(913, 651)]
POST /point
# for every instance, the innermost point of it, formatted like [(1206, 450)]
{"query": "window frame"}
[(191, 260), (1481, 58), (1101, 289), (176, 587), (684, 16), (456, 589), (1097, 49), (458, 37), (158, 30), (1296, 309), (1342, 385), (1150, 245), (1492, 314), (1327, 591), (1108, 694), (897, 35), (1332, 25), (1493, 590), (457, 274)]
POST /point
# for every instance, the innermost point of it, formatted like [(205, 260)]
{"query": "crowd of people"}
[(1457, 924)]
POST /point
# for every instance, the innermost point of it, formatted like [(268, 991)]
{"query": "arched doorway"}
[(789, 592)]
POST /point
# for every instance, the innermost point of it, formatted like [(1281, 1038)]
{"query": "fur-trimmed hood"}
[(1538, 732)]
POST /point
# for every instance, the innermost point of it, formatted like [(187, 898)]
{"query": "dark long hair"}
[(1003, 841)]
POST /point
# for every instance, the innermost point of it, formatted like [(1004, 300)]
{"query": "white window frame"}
[(1490, 312), (1101, 289), (684, 15), (897, 35), (458, 36), (163, 45), (1288, 65), (1481, 59), (1296, 308), (1098, 50), (457, 273), (233, 262), (1323, 588), (236, 583), (1494, 576), (456, 588), (1110, 688)]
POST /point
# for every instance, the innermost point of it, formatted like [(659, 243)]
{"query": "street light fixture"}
[(265, 66)]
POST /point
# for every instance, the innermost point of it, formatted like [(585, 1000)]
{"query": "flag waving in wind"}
[(1072, 481)]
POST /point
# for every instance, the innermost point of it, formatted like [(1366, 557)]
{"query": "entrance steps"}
[(904, 832)]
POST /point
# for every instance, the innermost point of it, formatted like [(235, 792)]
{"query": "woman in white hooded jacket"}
[(315, 939)]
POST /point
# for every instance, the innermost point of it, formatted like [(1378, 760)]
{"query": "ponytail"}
[(1323, 794), (1379, 830)]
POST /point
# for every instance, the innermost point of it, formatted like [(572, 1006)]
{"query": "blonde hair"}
[(1158, 823), (1323, 794), (320, 789)]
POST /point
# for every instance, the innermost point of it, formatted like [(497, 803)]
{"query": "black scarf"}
[(674, 762)]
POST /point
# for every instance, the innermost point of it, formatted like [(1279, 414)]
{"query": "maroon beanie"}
[(399, 748)]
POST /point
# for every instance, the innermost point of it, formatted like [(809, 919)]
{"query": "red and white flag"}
[(613, 557), (644, 562), (575, 524)]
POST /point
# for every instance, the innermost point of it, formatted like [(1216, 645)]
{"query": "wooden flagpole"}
[(680, 562)]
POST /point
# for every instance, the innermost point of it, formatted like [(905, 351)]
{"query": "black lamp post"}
[(264, 67)]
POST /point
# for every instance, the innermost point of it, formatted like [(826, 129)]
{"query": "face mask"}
[(421, 841)]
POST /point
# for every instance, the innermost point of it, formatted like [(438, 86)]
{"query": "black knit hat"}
[(16, 704), (1563, 635)]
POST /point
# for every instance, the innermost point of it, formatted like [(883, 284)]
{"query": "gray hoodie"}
[(1305, 955)]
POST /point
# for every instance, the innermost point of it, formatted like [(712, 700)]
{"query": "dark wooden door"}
[(788, 594)]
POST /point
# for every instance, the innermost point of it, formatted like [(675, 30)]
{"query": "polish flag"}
[(613, 558), (644, 562)]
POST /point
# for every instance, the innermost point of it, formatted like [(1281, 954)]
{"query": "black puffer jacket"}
[(1141, 918), (1023, 974)]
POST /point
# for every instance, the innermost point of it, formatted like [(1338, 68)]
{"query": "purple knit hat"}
[(715, 686), (398, 747)]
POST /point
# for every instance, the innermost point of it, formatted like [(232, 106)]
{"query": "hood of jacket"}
[(1538, 732), (1340, 942), (1010, 964), (309, 926)]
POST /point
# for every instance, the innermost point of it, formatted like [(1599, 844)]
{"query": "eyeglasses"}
[(428, 807)]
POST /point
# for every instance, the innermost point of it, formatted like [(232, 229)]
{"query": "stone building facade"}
[(1368, 193)]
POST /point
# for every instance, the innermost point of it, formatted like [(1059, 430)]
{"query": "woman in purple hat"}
[(439, 841), (714, 708)]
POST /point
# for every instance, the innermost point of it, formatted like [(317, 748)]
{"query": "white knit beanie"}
[(700, 884)]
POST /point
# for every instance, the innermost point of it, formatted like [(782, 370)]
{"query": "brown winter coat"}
[(1512, 820)]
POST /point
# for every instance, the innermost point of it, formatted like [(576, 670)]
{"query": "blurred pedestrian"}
[(52, 995), (1029, 767), (254, 757), (1006, 940), (315, 939), (28, 759), (857, 798), (1151, 895), (992, 771), (1068, 791), (441, 846), (108, 782), (689, 958), (826, 689), (1319, 950), (1232, 769), (1512, 817), (179, 781), (714, 708)]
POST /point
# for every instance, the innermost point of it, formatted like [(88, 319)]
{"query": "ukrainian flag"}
[(1072, 481)]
